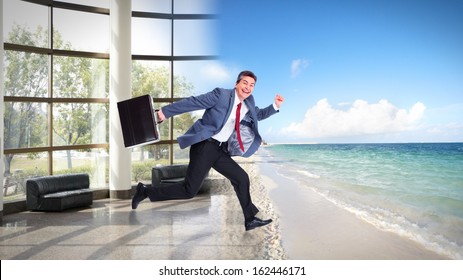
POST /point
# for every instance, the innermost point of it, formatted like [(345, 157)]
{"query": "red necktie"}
[(237, 126)]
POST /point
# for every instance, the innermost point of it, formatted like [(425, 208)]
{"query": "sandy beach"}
[(312, 228)]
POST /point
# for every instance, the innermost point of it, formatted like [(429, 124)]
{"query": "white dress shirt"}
[(229, 126)]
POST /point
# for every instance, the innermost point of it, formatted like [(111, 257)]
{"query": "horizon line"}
[(354, 143)]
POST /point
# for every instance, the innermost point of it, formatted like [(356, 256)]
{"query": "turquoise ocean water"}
[(413, 190)]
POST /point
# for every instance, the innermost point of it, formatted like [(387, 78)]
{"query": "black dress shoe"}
[(256, 222), (140, 194)]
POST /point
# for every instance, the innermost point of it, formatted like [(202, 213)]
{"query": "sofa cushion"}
[(60, 203), (67, 193)]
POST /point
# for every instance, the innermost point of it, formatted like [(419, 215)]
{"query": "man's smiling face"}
[(245, 87)]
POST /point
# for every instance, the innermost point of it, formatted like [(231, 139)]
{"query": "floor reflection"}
[(206, 227)]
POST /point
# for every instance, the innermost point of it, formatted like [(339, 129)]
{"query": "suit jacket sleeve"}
[(262, 114), (192, 103)]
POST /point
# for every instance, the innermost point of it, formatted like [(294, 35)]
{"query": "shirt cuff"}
[(275, 107)]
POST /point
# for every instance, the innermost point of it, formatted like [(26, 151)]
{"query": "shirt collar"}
[(237, 100)]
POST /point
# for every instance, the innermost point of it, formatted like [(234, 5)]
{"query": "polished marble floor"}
[(205, 227)]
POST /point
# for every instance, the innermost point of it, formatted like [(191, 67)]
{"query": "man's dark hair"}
[(246, 73)]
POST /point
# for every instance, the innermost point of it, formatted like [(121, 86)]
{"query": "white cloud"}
[(361, 118), (297, 66), (344, 104)]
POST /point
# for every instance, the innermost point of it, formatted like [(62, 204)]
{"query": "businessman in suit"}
[(214, 139)]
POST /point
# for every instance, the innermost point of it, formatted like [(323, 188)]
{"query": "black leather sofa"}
[(59, 192), (165, 175)]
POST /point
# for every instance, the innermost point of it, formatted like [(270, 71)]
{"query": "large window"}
[(166, 36), (56, 91), (56, 117)]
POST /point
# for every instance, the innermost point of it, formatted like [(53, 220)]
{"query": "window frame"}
[(172, 58), (50, 100)]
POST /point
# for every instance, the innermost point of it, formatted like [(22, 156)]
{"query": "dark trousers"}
[(204, 156)]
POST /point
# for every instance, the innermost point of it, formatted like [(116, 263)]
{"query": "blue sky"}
[(351, 71)]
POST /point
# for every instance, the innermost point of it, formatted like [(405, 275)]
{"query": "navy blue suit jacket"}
[(218, 106)]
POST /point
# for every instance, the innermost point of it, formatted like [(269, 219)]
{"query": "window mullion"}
[(50, 93)]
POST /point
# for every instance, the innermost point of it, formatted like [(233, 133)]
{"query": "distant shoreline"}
[(359, 143)]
